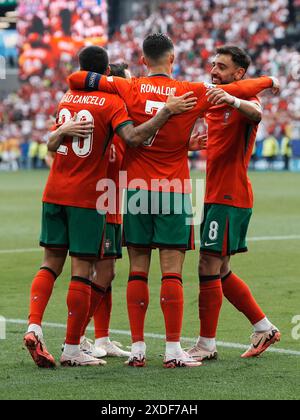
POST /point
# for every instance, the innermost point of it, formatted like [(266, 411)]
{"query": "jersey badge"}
[(108, 244), (227, 116)]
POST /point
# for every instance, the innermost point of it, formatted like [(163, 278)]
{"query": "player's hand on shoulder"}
[(218, 96), (179, 104), (76, 128), (198, 142)]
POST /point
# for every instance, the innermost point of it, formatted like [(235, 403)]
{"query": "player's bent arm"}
[(135, 136), (252, 110), (71, 128), (251, 87), (242, 89), (89, 81), (55, 140)]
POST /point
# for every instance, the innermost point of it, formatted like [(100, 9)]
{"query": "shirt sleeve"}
[(89, 81), (255, 100), (116, 85), (244, 89), (119, 117), (247, 88), (199, 89)]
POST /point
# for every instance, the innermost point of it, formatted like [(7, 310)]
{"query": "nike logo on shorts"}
[(206, 244)]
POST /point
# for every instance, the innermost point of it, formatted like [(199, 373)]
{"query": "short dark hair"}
[(94, 59), (118, 70), (239, 56), (157, 45)]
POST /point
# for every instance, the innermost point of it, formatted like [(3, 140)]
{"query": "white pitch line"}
[(274, 238), (162, 337), (251, 239), (19, 251)]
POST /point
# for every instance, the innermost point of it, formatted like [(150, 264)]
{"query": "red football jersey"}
[(80, 163), (116, 160), (231, 139), (165, 156)]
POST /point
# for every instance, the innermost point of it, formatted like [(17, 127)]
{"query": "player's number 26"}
[(81, 147)]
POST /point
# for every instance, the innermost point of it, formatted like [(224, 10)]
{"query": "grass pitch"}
[(271, 268)]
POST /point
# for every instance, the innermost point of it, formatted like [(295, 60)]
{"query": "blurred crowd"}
[(197, 28), (51, 33)]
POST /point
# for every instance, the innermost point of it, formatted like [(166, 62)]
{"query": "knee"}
[(209, 266), (108, 277), (56, 269), (224, 271), (59, 272), (111, 275), (204, 265)]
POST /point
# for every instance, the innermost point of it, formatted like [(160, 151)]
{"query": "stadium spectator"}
[(270, 150), (197, 27), (286, 151)]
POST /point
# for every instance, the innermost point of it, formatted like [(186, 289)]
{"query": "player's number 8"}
[(151, 107), (214, 231), (81, 147)]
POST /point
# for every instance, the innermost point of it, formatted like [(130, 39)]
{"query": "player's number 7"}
[(81, 147), (151, 107)]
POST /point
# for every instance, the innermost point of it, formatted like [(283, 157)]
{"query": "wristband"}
[(237, 103)]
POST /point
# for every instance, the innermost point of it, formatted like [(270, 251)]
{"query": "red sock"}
[(102, 315), (97, 296), (210, 304), (240, 296), (137, 304), (41, 291), (78, 302), (171, 300)]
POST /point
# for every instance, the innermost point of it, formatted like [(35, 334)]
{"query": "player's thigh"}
[(113, 241), (140, 259), (105, 272), (226, 267), (54, 231), (86, 229), (171, 261), (210, 265)]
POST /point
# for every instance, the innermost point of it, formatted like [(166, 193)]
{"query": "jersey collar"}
[(160, 75)]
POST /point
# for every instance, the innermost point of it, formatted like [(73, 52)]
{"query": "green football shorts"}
[(158, 220), (224, 230), (113, 241), (81, 231)]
